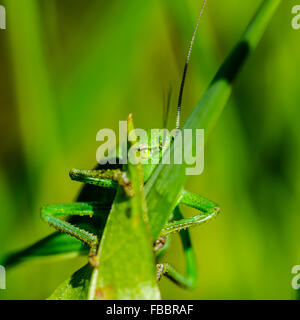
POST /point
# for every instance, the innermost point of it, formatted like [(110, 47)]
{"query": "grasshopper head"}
[(152, 149)]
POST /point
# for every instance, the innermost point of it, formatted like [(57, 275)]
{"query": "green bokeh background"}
[(70, 68)]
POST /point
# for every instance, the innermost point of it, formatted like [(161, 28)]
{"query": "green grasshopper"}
[(85, 219)]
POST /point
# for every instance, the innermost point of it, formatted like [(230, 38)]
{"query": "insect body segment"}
[(151, 149)]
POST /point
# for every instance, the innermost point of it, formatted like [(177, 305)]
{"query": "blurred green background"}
[(70, 68)]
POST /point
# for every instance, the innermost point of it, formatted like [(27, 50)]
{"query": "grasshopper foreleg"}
[(109, 178), (53, 213)]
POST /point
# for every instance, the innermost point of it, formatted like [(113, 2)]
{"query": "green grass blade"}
[(163, 189), (76, 287), (55, 246), (126, 262)]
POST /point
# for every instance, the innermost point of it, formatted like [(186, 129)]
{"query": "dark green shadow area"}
[(233, 63)]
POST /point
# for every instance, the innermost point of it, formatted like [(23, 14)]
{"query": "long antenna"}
[(186, 66), (167, 107)]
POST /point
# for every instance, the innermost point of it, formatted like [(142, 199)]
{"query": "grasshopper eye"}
[(145, 153)]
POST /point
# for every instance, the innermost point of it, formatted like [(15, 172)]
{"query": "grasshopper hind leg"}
[(209, 210), (189, 280)]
